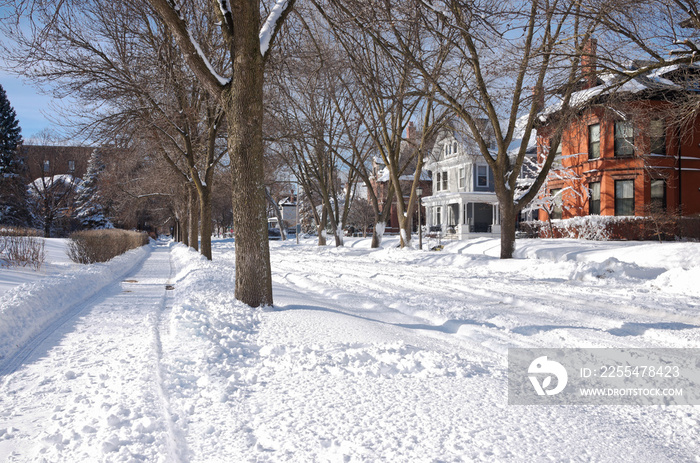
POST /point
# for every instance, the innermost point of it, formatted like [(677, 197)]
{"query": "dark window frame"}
[(624, 143), (658, 203), (624, 206), (657, 141), (593, 144), (594, 204), (557, 204)]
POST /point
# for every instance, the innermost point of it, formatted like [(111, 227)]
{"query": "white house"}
[(464, 203)]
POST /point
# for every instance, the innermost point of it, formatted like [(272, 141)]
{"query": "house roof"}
[(661, 81)]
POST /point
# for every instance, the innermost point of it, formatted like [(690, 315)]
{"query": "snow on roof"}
[(40, 183), (384, 176), (612, 84), (518, 135)]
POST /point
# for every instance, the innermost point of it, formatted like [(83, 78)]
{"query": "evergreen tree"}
[(89, 210), (13, 191)]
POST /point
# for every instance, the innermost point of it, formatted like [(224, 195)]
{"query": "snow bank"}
[(27, 309), (207, 346)]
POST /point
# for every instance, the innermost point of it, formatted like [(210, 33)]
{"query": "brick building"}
[(626, 153), (46, 161)]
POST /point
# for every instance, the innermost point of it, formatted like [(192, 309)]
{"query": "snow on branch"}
[(267, 31), (206, 61)]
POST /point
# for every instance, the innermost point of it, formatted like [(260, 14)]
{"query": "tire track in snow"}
[(552, 305), (177, 444), (12, 363)]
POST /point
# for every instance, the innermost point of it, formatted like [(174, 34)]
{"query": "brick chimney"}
[(411, 132), (588, 62)]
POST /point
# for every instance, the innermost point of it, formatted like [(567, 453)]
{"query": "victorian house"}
[(463, 203)]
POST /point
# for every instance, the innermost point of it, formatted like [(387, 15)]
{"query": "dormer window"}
[(454, 148)]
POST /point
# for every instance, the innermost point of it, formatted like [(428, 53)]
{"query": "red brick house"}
[(44, 161), (626, 153)]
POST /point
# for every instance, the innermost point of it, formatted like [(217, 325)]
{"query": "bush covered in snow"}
[(21, 247), (604, 228), (87, 247)]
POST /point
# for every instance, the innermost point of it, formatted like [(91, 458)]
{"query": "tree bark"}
[(509, 218), (243, 102), (193, 218), (205, 222), (321, 227)]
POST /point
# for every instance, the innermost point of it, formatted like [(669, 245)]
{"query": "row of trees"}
[(201, 87)]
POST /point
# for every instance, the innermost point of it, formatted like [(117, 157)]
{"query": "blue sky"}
[(31, 106)]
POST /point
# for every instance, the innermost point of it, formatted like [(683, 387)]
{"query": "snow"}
[(205, 60), (368, 355), (28, 308), (57, 261), (268, 28)]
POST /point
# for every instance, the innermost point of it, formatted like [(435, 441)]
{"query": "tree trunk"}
[(205, 221), (244, 112), (378, 234), (376, 239), (322, 228), (184, 230), (509, 217), (194, 217)]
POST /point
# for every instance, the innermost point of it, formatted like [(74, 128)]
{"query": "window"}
[(482, 176), (657, 137), (557, 210), (594, 201), (437, 182), (624, 138), (462, 177), (71, 166), (624, 197), (438, 214), (594, 141), (47, 165), (444, 180), (658, 195), (454, 148), (557, 156)]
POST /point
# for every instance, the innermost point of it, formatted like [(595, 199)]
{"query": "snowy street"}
[(368, 355)]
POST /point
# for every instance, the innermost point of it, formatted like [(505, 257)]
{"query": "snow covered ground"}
[(368, 355)]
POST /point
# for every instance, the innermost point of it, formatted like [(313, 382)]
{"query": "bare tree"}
[(496, 53), (247, 47), (386, 95), (308, 129)]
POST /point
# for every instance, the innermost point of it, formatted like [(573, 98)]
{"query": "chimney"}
[(588, 62), (411, 132)]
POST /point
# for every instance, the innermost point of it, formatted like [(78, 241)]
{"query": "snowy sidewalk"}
[(367, 356), (93, 386)]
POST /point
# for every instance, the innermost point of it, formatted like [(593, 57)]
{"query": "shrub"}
[(87, 247), (603, 228), (21, 247)]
